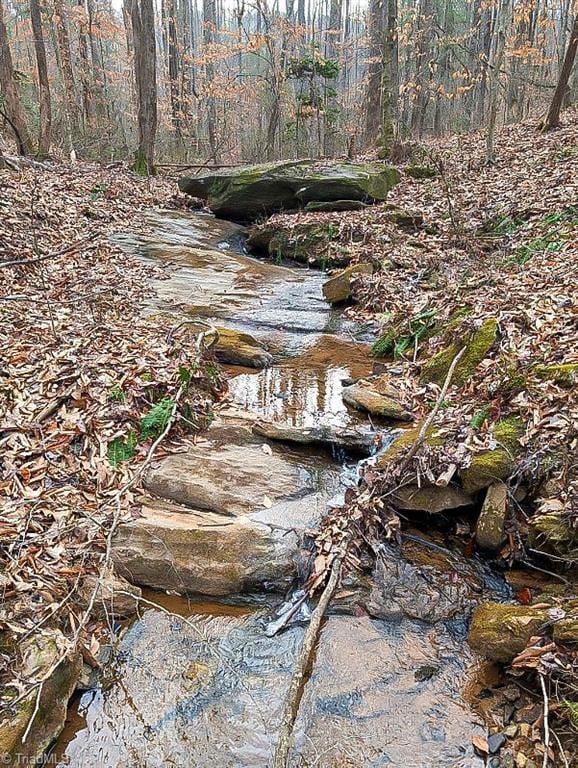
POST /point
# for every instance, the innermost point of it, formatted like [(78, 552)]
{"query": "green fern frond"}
[(157, 418), (120, 450)]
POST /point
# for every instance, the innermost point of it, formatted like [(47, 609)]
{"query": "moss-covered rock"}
[(477, 343), (338, 288), (403, 440), (564, 374), (500, 632), (487, 467), (365, 397), (307, 242), (420, 171), (552, 533), (315, 206), (565, 631), (490, 528), (39, 654), (246, 193)]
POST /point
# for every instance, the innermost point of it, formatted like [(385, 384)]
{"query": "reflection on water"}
[(296, 396), (305, 390)]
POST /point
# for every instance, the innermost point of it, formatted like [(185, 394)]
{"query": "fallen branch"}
[(429, 421), (297, 681), (546, 723)]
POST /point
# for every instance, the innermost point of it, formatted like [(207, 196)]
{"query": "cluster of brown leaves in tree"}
[(87, 383)]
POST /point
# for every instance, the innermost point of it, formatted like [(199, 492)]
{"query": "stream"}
[(200, 683)]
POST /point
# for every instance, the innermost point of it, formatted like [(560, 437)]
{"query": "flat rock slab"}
[(358, 439), (247, 192), (174, 548), (209, 691), (232, 479)]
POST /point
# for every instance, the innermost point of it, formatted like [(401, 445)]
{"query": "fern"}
[(120, 450), (157, 418)]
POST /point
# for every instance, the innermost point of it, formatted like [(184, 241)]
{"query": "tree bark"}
[(65, 64), (553, 117), (142, 16), (12, 110), (209, 17), (44, 133)]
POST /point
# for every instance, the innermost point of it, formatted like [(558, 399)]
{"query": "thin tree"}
[(45, 128), (381, 96), (209, 26), (553, 117), (12, 110), (142, 16), (64, 61)]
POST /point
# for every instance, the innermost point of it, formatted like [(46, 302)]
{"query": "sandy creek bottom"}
[(203, 685)]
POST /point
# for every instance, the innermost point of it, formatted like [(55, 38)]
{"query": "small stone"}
[(424, 673), (495, 742), (511, 731), (338, 288)]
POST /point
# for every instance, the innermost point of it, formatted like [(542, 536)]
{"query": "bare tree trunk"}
[(332, 52), (44, 133), (65, 63), (209, 16), (376, 25), (142, 17), (553, 117), (12, 109), (502, 21), (87, 100), (423, 50)]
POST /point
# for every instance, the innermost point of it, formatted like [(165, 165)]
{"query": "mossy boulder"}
[(420, 171), (405, 439), (249, 192), (477, 344), (314, 243), (500, 632), (39, 654), (338, 288), (490, 528), (552, 533), (563, 374), (489, 466)]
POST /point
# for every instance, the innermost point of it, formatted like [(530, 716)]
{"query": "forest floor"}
[(80, 363)]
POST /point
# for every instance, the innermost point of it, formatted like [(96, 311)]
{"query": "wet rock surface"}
[(338, 288), (40, 655), (209, 691)]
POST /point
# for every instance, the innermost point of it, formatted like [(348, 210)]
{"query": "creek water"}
[(197, 683)]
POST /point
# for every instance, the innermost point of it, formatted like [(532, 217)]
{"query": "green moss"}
[(140, 165), (551, 533), (477, 345), (564, 374), (487, 467), (405, 439), (421, 171), (500, 631)]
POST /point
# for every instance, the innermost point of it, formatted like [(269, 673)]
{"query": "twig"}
[(428, 422), (62, 252), (34, 713), (296, 688), (546, 724)]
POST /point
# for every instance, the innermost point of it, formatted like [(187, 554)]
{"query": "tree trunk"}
[(142, 15), (553, 117), (332, 105), (423, 50), (44, 133), (65, 64), (376, 24), (209, 17), (12, 109), (173, 61)]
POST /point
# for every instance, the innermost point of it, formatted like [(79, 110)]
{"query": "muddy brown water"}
[(199, 683)]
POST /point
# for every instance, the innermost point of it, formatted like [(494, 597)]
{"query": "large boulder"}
[(230, 479), (175, 548), (249, 192)]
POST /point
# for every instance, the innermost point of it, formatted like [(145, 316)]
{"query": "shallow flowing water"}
[(201, 684)]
